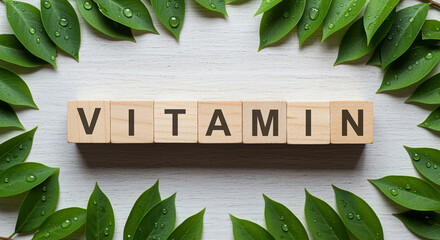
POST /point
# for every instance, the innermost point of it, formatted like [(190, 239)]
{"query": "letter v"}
[(89, 128)]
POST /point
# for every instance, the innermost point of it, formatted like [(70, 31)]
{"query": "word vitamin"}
[(280, 122)]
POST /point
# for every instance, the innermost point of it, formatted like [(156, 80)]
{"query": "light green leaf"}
[(8, 118), (214, 5), (426, 161), (16, 149), (375, 58), (25, 21), (376, 13), (314, 15), (431, 30), (266, 5), (428, 92), (432, 122), (247, 230), (190, 229), (170, 16), (38, 204), (100, 217), (424, 224), (12, 51), (404, 31), (14, 90), (61, 224)]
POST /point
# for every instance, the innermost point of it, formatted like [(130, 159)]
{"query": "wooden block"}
[(308, 123), (351, 122), (220, 122), (264, 122), (88, 121), (132, 122), (175, 121)]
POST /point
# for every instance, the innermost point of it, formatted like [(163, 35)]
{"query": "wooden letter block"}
[(264, 122), (88, 121), (175, 122), (132, 122), (308, 123), (351, 122), (220, 122)]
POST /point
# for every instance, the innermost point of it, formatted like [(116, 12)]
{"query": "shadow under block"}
[(220, 122), (132, 122), (308, 123), (175, 121), (264, 122), (351, 122), (88, 121)]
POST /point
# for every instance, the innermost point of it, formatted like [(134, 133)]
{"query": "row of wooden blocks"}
[(280, 122)]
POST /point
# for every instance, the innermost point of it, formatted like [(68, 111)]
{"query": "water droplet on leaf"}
[(128, 12)]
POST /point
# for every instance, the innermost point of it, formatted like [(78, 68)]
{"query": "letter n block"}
[(351, 122), (88, 121)]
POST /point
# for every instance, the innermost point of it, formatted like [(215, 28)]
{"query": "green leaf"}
[(247, 230), (159, 222), (62, 25), (190, 229), (266, 5), (410, 192), (100, 216), (375, 58), (376, 13), (12, 51), (428, 92), (354, 43), (358, 216), (130, 13), (314, 15), (280, 20), (23, 177), (61, 224), (16, 149), (8, 118), (25, 21), (170, 16), (38, 204), (404, 31), (281, 222), (426, 161), (432, 122), (339, 15), (424, 224), (14, 90), (90, 12), (214, 5), (323, 221), (143, 204), (411, 68), (431, 30)]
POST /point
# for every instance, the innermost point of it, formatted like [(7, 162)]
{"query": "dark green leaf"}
[(16, 149), (432, 121), (280, 20), (38, 204), (314, 14), (376, 13), (424, 224), (100, 217), (170, 16), (404, 31), (431, 30), (62, 25), (428, 92), (190, 229), (281, 222), (61, 224), (324, 223), (8, 118), (426, 161), (25, 21), (375, 58), (12, 51), (266, 5), (214, 5), (247, 230), (14, 90)]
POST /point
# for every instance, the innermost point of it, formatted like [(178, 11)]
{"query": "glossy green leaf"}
[(130, 13), (410, 192), (25, 21), (23, 177), (12, 51), (404, 31), (358, 216), (61, 224), (411, 68), (38, 204), (314, 14), (90, 12), (376, 13), (190, 229), (323, 222), (170, 16), (280, 20), (62, 25), (375, 58), (16, 149), (354, 43), (431, 30), (100, 217), (432, 122), (159, 222), (428, 92), (340, 14), (143, 204), (214, 5), (14, 90), (281, 222), (247, 230), (8, 118), (266, 5), (424, 224), (427, 162)]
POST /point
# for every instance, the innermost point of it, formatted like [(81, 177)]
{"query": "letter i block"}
[(351, 122), (264, 122), (88, 121), (175, 122)]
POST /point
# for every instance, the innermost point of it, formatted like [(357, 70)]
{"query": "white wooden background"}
[(216, 59)]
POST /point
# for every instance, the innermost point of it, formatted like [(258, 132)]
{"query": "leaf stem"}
[(12, 235), (5, 238), (434, 3)]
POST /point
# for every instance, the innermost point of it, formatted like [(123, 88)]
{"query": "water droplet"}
[(164, 211), (31, 178), (410, 68), (426, 123), (284, 227), (66, 37), (95, 202), (6, 180), (106, 232), (408, 187), (20, 147), (162, 226), (396, 44), (306, 26), (286, 14), (387, 83), (435, 167), (32, 30), (8, 159), (52, 58), (394, 192), (66, 224), (282, 218), (47, 4), (346, 14), (168, 4), (43, 213), (349, 9), (64, 22), (43, 198), (176, 5), (341, 5), (128, 12), (87, 5), (411, 19), (390, 37), (313, 13), (358, 217), (428, 164), (213, 6), (350, 215), (331, 25), (429, 56), (57, 34), (396, 77), (47, 235), (417, 62), (75, 219)]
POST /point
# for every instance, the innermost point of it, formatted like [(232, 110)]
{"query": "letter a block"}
[(88, 121), (351, 122)]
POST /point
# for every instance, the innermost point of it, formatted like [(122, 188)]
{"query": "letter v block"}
[(88, 121)]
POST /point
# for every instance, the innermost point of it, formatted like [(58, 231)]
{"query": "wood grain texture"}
[(216, 59)]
